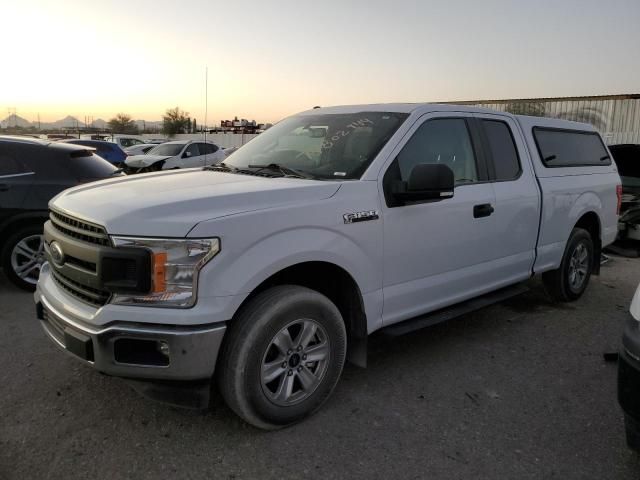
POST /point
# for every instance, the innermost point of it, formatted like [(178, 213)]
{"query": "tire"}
[(23, 249), (632, 431), (258, 362), (569, 282)]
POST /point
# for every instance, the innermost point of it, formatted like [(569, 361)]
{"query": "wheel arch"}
[(590, 221), (19, 221), (339, 286)]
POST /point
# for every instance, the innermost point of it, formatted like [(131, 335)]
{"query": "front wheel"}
[(569, 282), (282, 356)]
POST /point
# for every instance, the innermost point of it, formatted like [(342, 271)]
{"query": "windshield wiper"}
[(286, 171), (220, 166)]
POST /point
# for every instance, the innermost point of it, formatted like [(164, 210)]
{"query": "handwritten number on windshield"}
[(329, 142)]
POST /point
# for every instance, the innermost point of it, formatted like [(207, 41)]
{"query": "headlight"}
[(175, 264)]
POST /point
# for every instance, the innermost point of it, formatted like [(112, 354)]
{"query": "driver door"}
[(438, 252)]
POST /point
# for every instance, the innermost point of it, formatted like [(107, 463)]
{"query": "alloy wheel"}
[(295, 362), (578, 266), (27, 258)]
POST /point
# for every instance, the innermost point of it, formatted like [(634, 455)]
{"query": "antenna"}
[(206, 107)]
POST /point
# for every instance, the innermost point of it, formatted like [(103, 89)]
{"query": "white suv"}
[(178, 154)]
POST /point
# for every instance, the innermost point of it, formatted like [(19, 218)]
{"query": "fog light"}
[(163, 348)]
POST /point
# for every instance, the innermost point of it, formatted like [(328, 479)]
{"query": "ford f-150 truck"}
[(265, 273)]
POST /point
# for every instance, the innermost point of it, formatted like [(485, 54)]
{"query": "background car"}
[(31, 173), (111, 152), (141, 149), (177, 154), (627, 158), (125, 141)]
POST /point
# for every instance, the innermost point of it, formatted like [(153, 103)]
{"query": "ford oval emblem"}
[(57, 255)]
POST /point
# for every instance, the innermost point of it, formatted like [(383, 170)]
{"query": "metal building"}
[(617, 117)]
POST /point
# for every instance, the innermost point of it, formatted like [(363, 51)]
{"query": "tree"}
[(122, 123), (175, 121)]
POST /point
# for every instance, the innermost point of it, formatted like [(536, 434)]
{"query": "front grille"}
[(79, 229), (87, 294), (89, 266)]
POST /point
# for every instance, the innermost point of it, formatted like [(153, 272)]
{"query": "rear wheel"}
[(282, 357), (23, 255), (569, 282)]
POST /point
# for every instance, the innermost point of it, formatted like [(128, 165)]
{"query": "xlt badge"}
[(360, 216)]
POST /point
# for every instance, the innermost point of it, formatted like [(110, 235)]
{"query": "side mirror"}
[(186, 154), (427, 181)]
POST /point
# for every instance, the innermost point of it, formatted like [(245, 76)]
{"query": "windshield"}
[(170, 149), (339, 146)]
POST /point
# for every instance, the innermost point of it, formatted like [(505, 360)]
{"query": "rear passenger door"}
[(517, 196)]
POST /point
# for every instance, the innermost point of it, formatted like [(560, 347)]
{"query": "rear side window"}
[(87, 165), (503, 150), (209, 147), (58, 162), (570, 148)]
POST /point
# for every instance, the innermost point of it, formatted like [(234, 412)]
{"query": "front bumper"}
[(192, 350)]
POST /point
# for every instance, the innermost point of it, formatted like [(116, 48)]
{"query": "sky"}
[(269, 59)]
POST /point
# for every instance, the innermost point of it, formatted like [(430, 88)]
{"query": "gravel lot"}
[(516, 391)]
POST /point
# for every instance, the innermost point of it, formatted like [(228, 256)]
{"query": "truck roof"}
[(422, 108), (396, 107)]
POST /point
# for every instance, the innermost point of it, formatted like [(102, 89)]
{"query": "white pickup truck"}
[(267, 271)]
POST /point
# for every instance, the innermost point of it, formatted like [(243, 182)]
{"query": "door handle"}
[(483, 210), (4, 187)]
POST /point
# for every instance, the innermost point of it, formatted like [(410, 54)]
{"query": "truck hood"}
[(170, 204), (140, 161)]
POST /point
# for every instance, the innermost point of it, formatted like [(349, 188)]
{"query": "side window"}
[(209, 148), (193, 149), (570, 148), (444, 141), (9, 165), (503, 150)]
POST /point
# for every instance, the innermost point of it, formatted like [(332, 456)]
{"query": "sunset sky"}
[(269, 59)]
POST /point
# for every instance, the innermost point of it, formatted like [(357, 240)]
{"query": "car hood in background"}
[(170, 204), (141, 161)]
